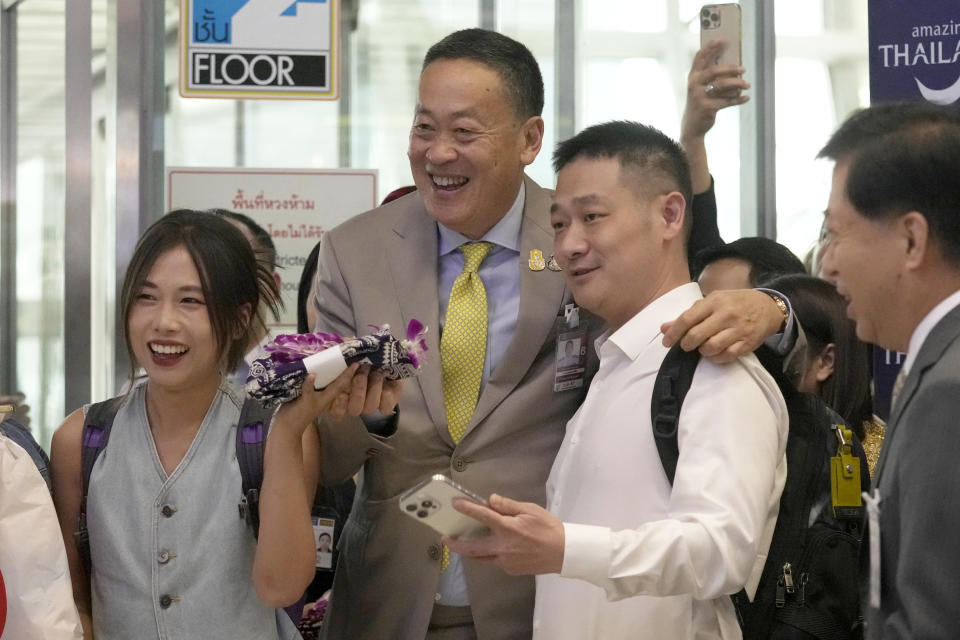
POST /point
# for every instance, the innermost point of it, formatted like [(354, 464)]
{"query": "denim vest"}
[(171, 557)]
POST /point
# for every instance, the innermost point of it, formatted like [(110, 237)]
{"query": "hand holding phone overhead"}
[(722, 23)]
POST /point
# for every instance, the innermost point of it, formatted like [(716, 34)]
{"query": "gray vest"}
[(171, 557)]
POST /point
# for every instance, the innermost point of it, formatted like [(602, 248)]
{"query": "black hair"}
[(904, 156), (303, 291), (767, 259), (821, 311), (264, 247), (511, 60), (230, 276), (638, 148)]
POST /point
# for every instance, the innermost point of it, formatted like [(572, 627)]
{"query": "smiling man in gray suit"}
[(477, 125), (893, 224)]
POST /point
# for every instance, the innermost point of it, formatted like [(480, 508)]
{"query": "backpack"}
[(22, 436), (251, 442), (809, 587)]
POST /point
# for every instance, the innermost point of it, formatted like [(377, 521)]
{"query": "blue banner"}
[(914, 55), (915, 50)]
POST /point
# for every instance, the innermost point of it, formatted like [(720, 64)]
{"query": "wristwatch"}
[(783, 308)]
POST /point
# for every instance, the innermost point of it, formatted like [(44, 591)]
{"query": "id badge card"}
[(323, 539), (571, 351)]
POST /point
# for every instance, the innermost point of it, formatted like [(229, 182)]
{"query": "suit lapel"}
[(541, 294), (413, 259), (942, 335)]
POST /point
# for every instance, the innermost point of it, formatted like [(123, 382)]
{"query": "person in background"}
[(21, 410), (306, 311), (710, 88), (750, 263), (20, 433), (713, 325), (36, 598), (16, 426), (837, 367), (744, 263), (266, 252)]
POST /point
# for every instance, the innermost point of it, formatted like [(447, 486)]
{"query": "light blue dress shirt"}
[(500, 272)]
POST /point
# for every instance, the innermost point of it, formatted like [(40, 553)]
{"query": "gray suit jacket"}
[(381, 267), (918, 479)]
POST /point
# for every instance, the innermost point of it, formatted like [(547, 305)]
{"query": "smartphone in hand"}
[(722, 22), (431, 502)]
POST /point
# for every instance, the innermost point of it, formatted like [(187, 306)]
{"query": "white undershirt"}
[(926, 326)]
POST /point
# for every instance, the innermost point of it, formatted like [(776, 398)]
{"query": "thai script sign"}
[(285, 49), (295, 206)]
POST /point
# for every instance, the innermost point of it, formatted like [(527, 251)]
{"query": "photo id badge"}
[(323, 537), (571, 351)]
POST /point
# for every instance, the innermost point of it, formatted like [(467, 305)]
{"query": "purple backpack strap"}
[(251, 444), (96, 432)]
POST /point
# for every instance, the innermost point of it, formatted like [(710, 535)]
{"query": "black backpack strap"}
[(669, 390), (96, 432), (251, 443)]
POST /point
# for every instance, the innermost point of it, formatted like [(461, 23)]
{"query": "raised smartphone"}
[(722, 22), (430, 502)]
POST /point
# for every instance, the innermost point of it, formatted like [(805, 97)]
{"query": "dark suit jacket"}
[(381, 267), (918, 479)]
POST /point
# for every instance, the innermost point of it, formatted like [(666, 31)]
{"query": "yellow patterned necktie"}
[(463, 346)]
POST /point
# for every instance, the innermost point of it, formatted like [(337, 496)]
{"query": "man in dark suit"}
[(893, 225)]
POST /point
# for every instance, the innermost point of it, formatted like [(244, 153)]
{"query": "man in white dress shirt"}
[(617, 552)]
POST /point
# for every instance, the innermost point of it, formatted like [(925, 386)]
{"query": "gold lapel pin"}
[(553, 265), (536, 261)]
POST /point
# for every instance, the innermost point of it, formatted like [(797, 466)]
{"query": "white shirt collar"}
[(926, 326), (643, 328), (505, 233)]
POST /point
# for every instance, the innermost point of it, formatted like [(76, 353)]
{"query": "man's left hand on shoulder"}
[(725, 325), (525, 538)]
